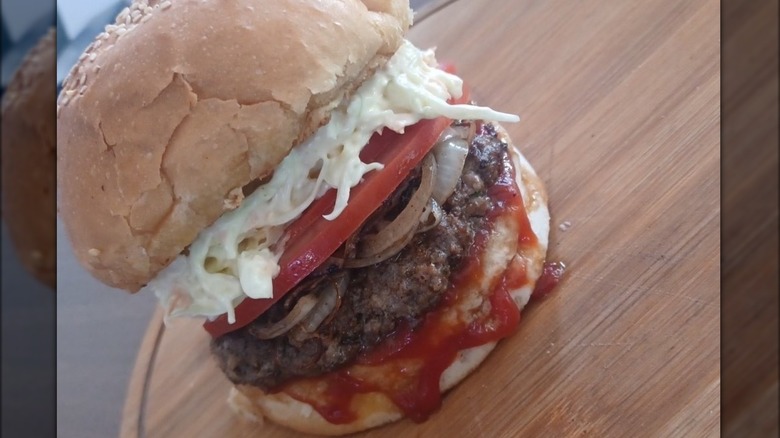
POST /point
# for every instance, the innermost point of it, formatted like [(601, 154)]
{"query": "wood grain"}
[(750, 240), (620, 110)]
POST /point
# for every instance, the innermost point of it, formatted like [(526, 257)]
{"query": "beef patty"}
[(377, 298)]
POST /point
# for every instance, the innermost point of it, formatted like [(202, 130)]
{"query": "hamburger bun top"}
[(28, 160), (175, 108)]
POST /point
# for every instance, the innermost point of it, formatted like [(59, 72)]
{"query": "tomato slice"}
[(312, 238)]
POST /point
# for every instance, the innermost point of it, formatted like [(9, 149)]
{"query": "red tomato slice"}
[(312, 239)]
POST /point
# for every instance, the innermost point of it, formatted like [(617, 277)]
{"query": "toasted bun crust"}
[(375, 408), (28, 160), (180, 104)]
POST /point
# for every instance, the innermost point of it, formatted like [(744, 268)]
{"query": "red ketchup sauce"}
[(551, 276), (407, 367)]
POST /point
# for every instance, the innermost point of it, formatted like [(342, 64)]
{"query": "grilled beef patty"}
[(401, 288)]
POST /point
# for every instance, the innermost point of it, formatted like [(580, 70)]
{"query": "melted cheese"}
[(237, 256)]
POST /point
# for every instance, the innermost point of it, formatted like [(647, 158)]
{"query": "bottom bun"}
[(375, 408)]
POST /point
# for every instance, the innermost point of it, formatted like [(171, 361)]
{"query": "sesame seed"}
[(59, 110), (121, 31), (165, 5), (98, 43), (83, 89), (92, 56), (97, 68), (65, 100), (122, 15), (69, 93), (83, 56), (146, 18), (148, 10), (128, 20)]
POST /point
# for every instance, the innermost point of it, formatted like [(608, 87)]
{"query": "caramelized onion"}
[(392, 250), (329, 301), (301, 309), (450, 153), (431, 216), (464, 130), (406, 222), (467, 130)]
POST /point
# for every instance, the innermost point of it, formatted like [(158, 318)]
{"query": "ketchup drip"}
[(407, 367), (551, 275)]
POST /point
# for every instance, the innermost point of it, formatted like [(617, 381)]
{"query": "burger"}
[(28, 160), (356, 233)]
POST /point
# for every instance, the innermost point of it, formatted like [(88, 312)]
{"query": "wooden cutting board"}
[(620, 112)]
